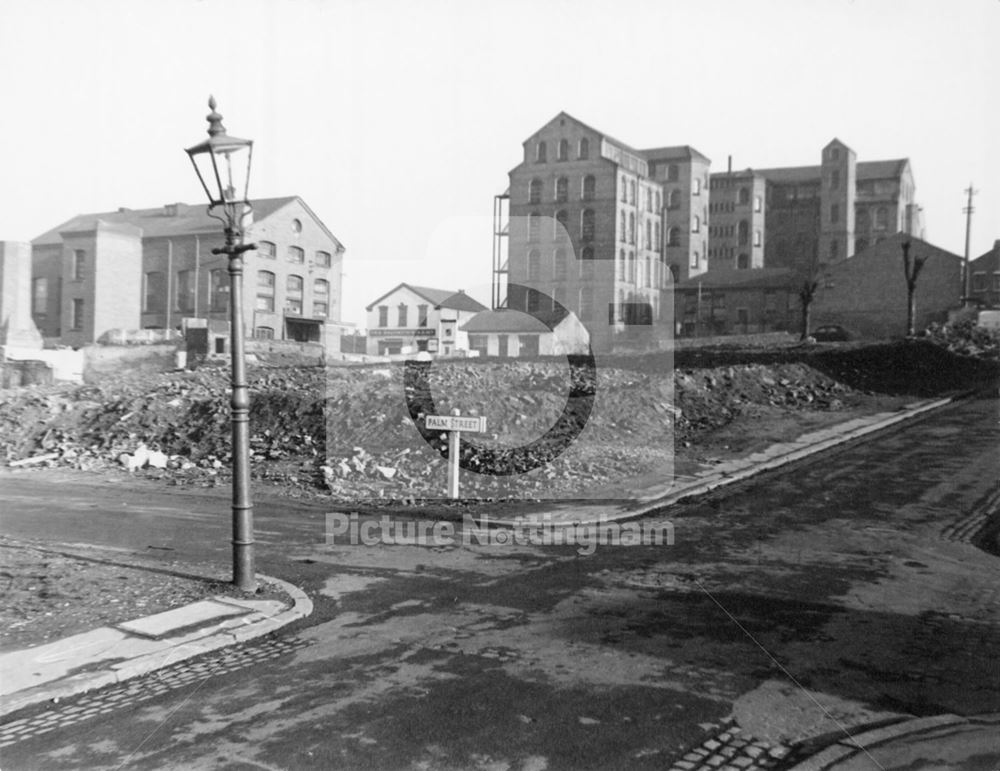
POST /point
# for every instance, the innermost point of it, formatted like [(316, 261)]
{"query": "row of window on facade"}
[(155, 292), (536, 302), (710, 302), (742, 199), (403, 315), (562, 150), (295, 254), (741, 230), (647, 273)]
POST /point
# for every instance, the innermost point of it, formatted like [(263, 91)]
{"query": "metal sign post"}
[(454, 424)]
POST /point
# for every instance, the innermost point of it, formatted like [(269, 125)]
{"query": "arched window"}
[(696, 224), (562, 190), (649, 199), (541, 153), (559, 264), (535, 191), (656, 236), (561, 227), (621, 265), (659, 201), (743, 237), (624, 190), (589, 186), (744, 196), (587, 224), (649, 234), (583, 151), (623, 230), (649, 272), (534, 226), (631, 192), (674, 201), (673, 236), (631, 227), (534, 265), (563, 150), (631, 267)]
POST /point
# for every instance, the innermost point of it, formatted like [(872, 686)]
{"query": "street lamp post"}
[(218, 163)]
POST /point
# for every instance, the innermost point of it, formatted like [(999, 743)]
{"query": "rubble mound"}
[(348, 430)]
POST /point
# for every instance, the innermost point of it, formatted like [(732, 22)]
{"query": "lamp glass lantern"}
[(222, 163)]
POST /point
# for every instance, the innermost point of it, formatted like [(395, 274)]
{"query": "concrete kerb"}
[(182, 649), (827, 758), (717, 479)]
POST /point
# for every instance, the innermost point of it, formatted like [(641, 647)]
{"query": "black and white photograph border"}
[(524, 386)]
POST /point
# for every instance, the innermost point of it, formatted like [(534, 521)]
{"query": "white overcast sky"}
[(397, 121)]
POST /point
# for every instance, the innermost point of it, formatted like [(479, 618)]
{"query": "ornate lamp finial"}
[(215, 126)]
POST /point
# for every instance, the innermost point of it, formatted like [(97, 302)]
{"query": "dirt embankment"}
[(348, 431)]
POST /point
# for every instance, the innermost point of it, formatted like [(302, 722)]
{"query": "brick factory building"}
[(152, 268), (803, 217)]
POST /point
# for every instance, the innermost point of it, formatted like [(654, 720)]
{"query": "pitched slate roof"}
[(505, 321), (156, 222), (439, 298), (722, 278), (675, 152), (864, 170)]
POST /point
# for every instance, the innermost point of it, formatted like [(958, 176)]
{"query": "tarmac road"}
[(800, 604)]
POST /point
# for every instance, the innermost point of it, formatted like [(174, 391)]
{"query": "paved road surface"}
[(800, 604)]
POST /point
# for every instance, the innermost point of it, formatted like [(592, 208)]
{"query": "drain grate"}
[(140, 689)]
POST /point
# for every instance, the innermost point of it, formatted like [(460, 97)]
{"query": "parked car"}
[(830, 333)]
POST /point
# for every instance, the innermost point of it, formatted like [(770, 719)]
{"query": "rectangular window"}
[(401, 321), (756, 238), (264, 333), (40, 296), (320, 309), (265, 291), (79, 265), (383, 315), (185, 290), (421, 315), (323, 259), (757, 203), (296, 255), (77, 319), (694, 259), (978, 282), (155, 296), (770, 301), (835, 212), (218, 299), (293, 294), (996, 282)]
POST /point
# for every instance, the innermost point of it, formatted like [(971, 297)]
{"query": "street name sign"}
[(455, 423)]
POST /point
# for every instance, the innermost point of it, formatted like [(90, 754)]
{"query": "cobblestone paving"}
[(180, 675), (966, 529), (732, 750)]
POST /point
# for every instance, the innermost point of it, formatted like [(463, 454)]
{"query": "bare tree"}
[(912, 270), (807, 292)]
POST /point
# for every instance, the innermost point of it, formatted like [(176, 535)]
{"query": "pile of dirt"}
[(966, 339), (349, 431)]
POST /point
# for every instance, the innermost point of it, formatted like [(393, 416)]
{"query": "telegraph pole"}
[(968, 230)]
